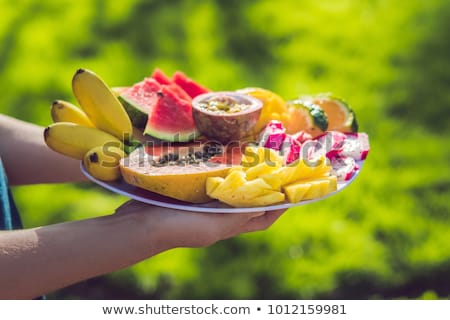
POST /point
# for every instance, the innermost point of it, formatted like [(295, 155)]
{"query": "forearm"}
[(37, 261), (27, 158)]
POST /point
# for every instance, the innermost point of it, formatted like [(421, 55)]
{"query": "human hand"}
[(180, 228)]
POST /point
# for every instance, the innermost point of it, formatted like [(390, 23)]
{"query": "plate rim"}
[(205, 209)]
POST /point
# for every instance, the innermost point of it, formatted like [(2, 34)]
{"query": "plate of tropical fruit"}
[(172, 142)]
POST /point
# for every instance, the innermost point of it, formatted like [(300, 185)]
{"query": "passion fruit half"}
[(225, 116)]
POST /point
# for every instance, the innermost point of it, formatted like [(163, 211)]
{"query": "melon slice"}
[(306, 116), (340, 116), (160, 76), (171, 118), (139, 99), (164, 80), (191, 87), (185, 182)]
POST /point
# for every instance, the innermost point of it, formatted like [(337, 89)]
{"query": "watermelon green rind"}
[(173, 137), (137, 115)]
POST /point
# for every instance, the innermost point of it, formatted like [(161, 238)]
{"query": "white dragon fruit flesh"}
[(356, 145), (343, 167)]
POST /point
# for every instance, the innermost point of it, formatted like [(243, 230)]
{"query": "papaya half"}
[(176, 172)]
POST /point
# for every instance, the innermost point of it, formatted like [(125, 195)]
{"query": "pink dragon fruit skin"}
[(273, 135), (290, 149), (331, 142), (301, 137)]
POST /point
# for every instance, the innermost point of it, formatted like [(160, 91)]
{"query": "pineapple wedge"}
[(260, 169), (296, 191), (256, 155), (318, 189), (269, 198), (263, 180), (310, 189), (252, 189), (231, 182), (212, 183)]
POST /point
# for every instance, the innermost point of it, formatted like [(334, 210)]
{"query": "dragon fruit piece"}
[(290, 149), (356, 145), (302, 136), (273, 135), (343, 167), (331, 142)]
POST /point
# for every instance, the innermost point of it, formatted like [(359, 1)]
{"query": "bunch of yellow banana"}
[(97, 133)]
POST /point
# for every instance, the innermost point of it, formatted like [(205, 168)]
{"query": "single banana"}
[(103, 162), (101, 104), (63, 111), (74, 140)]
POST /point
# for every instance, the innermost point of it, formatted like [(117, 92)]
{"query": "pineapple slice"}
[(310, 189), (273, 180), (254, 188), (268, 198), (260, 169), (301, 170), (263, 180), (296, 191), (318, 189), (212, 183), (256, 155), (231, 182)]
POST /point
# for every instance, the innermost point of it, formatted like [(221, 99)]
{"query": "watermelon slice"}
[(161, 77), (191, 87), (178, 91), (164, 80), (170, 118), (139, 99)]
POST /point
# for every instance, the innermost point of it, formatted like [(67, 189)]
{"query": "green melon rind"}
[(137, 116), (319, 117), (351, 122), (171, 136)]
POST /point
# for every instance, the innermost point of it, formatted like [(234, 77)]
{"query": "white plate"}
[(125, 189)]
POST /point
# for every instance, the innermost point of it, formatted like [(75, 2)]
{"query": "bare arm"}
[(37, 261), (27, 158)]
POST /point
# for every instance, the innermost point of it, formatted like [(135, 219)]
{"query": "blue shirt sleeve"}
[(9, 216)]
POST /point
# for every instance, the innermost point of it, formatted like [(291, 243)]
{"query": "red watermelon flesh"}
[(160, 76), (171, 118), (162, 79), (139, 99), (179, 92), (192, 88)]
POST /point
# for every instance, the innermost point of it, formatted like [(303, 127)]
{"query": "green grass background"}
[(386, 236)]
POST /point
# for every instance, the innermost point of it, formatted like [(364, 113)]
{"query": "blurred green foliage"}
[(386, 236)]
